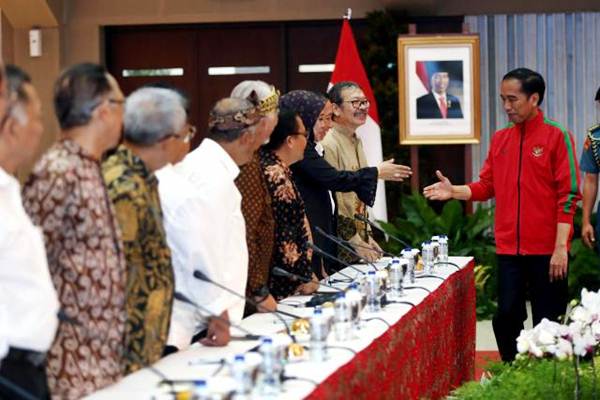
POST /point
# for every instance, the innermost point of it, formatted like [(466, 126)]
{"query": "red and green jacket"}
[(531, 170)]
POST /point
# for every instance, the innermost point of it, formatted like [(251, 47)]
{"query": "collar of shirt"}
[(438, 97), (345, 134), (7, 180), (319, 149), (75, 148), (213, 153), (125, 156)]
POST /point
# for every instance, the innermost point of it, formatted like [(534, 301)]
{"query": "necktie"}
[(443, 107)]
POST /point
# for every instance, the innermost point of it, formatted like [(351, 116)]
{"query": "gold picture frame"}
[(438, 89)]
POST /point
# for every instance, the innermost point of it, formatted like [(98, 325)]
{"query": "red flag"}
[(349, 67), (423, 74)]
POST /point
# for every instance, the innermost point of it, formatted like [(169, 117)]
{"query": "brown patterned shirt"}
[(66, 197), (260, 224), (292, 231)]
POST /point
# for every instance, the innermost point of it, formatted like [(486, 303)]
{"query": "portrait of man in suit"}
[(438, 103)]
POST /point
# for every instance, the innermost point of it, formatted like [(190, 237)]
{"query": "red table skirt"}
[(427, 353)]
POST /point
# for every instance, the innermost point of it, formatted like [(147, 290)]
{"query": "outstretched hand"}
[(441, 190), (388, 171)]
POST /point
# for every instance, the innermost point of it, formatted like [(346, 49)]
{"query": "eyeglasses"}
[(90, 107), (189, 135), (326, 117), (359, 103), (116, 101), (303, 134), (11, 99)]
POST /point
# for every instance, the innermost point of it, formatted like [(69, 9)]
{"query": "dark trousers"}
[(516, 275), (21, 372)]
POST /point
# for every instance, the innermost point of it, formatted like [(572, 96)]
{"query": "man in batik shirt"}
[(66, 197), (156, 133)]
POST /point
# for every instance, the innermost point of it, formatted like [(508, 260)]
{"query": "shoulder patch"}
[(594, 128), (594, 132)]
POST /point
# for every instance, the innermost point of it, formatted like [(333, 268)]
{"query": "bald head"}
[(230, 118)]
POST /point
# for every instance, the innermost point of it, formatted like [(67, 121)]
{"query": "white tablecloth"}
[(189, 364)]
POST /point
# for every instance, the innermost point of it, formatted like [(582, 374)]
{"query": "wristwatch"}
[(261, 293)]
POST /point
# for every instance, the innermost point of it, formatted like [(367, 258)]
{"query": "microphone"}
[(277, 271), (184, 299), (364, 219), (334, 258), (201, 276), (339, 242)]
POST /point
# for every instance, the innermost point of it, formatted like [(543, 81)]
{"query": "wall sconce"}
[(35, 42)]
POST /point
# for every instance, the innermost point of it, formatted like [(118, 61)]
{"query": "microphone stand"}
[(277, 271), (183, 298), (201, 276), (362, 218), (339, 242), (334, 258)]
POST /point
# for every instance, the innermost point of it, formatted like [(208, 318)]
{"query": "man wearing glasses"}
[(344, 151), (156, 133), (66, 196)]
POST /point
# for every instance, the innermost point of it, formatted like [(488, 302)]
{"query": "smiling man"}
[(531, 172), (344, 151)]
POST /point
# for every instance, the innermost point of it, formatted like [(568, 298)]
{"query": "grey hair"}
[(245, 88), (152, 114)]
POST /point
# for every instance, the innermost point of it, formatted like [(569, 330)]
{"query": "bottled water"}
[(415, 257), (443, 248), (201, 391), (271, 367), (396, 277), (427, 252), (384, 280), (373, 293), (410, 258), (343, 318), (239, 371), (435, 246), (356, 300), (319, 330)]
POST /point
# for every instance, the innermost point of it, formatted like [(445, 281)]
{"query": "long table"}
[(418, 352)]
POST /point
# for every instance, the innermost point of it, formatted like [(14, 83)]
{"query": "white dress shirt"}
[(321, 151), (28, 300), (205, 231)]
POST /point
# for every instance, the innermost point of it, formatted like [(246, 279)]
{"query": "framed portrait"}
[(438, 89)]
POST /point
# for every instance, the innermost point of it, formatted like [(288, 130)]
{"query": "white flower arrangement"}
[(579, 337)]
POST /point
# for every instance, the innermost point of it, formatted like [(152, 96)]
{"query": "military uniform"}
[(590, 161)]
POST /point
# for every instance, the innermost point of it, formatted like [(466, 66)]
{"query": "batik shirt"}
[(260, 225), (344, 151), (66, 197), (134, 193), (292, 231)]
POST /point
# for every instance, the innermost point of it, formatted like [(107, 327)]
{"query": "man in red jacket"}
[(531, 171)]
